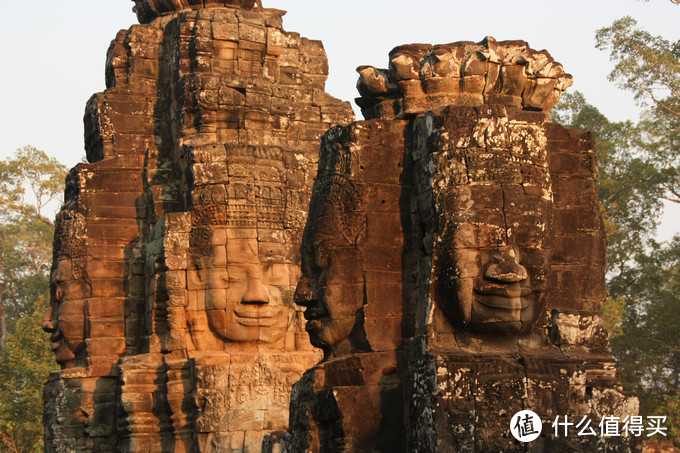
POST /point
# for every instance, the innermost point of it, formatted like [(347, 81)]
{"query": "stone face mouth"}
[(257, 317), (507, 297), (256, 313), (316, 316), (55, 339), (314, 325), (256, 322), (315, 310)]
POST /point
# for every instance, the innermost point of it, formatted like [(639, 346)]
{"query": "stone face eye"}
[(58, 292), (321, 258)]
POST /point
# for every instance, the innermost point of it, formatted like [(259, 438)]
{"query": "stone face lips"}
[(178, 244), (422, 77)]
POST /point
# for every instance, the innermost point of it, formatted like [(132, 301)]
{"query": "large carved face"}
[(491, 268), (331, 287), (491, 259), (65, 319), (244, 292)]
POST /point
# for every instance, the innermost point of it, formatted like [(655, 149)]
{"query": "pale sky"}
[(53, 52)]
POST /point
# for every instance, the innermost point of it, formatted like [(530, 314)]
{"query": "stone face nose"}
[(302, 293), (507, 268), (47, 324), (255, 291)]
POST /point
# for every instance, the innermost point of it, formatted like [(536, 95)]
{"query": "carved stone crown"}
[(147, 10), (423, 77)]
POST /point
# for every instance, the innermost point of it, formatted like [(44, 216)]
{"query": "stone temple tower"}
[(459, 281), (242, 267), (177, 248)]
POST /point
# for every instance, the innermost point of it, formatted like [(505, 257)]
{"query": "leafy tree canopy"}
[(30, 187), (649, 67)]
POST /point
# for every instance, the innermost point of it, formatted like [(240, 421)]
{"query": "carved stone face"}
[(65, 319), (331, 286), (491, 267), (244, 295)]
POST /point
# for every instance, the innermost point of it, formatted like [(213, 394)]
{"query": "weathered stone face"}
[(492, 202), (351, 288), (332, 286), (65, 319), (70, 290), (244, 297)]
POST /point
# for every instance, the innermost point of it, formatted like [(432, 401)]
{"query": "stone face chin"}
[(446, 255)]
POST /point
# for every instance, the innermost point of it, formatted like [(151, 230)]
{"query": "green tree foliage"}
[(642, 313), (25, 364), (649, 67), (30, 186), (648, 349), (629, 182), (29, 182), (646, 65)]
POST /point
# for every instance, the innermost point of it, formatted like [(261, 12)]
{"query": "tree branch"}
[(673, 200), (23, 211), (661, 104)]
